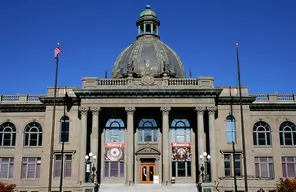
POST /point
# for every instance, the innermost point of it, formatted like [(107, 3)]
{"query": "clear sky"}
[(92, 33)]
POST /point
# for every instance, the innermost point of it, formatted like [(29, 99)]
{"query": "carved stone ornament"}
[(165, 110), (200, 110), (147, 151), (95, 110), (147, 76), (212, 110), (130, 110), (83, 110)]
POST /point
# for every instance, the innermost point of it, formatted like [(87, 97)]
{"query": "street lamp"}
[(204, 159), (90, 161)]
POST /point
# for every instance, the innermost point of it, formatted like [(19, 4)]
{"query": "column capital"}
[(212, 109), (83, 110), (95, 110), (130, 110), (165, 109), (200, 110)]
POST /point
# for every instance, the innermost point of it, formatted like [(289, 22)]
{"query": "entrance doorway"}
[(147, 171)]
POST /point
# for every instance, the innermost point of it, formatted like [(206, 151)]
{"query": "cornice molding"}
[(247, 100), (22, 108), (60, 101), (273, 107)]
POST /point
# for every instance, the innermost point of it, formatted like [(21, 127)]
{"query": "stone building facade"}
[(148, 124)]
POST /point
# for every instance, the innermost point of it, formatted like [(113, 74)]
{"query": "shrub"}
[(286, 185), (4, 187)]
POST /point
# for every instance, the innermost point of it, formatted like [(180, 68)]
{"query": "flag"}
[(68, 101), (57, 50)]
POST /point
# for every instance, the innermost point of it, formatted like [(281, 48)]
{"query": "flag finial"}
[(58, 44), (236, 44)]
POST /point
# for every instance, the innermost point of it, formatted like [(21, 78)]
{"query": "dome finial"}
[(148, 6)]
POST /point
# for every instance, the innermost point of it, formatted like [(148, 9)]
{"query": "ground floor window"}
[(114, 169), (181, 169)]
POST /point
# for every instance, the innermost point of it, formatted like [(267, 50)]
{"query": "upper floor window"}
[(147, 130), (65, 125), (31, 167), (7, 134), (180, 130), (288, 133), (261, 134), (67, 165), (114, 130), (264, 167), (230, 129), (33, 134)]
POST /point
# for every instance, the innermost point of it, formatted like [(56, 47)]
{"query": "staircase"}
[(148, 188)]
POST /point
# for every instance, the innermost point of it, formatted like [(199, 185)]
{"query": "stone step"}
[(148, 188)]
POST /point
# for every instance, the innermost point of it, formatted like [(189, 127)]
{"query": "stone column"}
[(165, 144), (83, 132), (200, 130), (130, 144), (212, 111), (95, 135)]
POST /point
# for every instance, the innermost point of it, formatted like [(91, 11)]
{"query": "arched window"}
[(261, 134), (180, 130), (147, 130), (181, 154), (7, 134), (64, 130), (288, 133), (114, 131), (33, 134), (230, 129)]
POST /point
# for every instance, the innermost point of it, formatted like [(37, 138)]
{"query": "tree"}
[(4, 187), (286, 185)]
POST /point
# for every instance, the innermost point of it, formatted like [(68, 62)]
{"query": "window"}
[(261, 134), (180, 130), (181, 169), (6, 167), (33, 134), (288, 133), (228, 165), (114, 131), (264, 167), (289, 167), (230, 129), (65, 125), (31, 167), (147, 130), (67, 166), (114, 169), (7, 134)]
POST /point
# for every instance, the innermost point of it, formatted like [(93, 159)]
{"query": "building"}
[(148, 124)]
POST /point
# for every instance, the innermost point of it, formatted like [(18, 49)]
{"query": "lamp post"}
[(205, 158), (90, 161)]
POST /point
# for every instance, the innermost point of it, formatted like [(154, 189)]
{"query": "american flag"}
[(57, 50)]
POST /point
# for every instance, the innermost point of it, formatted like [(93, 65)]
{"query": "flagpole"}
[(242, 120), (53, 124)]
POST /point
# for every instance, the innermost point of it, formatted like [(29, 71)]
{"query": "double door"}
[(147, 171)]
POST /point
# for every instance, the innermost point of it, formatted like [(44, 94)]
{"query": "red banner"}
[(114, 151), (114, 145), (181, 144)]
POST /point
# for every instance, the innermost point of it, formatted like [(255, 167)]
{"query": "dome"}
[(148, 52)]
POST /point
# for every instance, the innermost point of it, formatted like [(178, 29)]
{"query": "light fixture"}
[(90, 154), (94, 157), (86, 157), (201, 156), (205, 154), (209, 157)]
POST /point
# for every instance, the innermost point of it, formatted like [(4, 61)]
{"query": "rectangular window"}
[(180, 134), (67, 166), (114, 135), (6, 167), (114, 169), (31, 167), (264, 167), (289, 167), (229, 167), (147, 134), (181, 169)]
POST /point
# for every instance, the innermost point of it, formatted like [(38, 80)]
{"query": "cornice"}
[(247, 100), (60, 101), (273, 107), (22, 108), (147, 93)]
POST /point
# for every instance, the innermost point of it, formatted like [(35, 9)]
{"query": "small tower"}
[(148, 23)]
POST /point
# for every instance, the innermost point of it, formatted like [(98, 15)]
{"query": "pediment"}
[(147, 150)]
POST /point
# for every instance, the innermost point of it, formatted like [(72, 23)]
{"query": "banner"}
[(114, 151), (181, 151)]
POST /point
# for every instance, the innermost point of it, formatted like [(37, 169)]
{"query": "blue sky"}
[(92, 34)]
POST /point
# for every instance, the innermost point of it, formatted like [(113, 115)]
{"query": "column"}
[(130, 143), (212, 111), (165, 144), (95, 130), (83, 135), (200, 130)]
